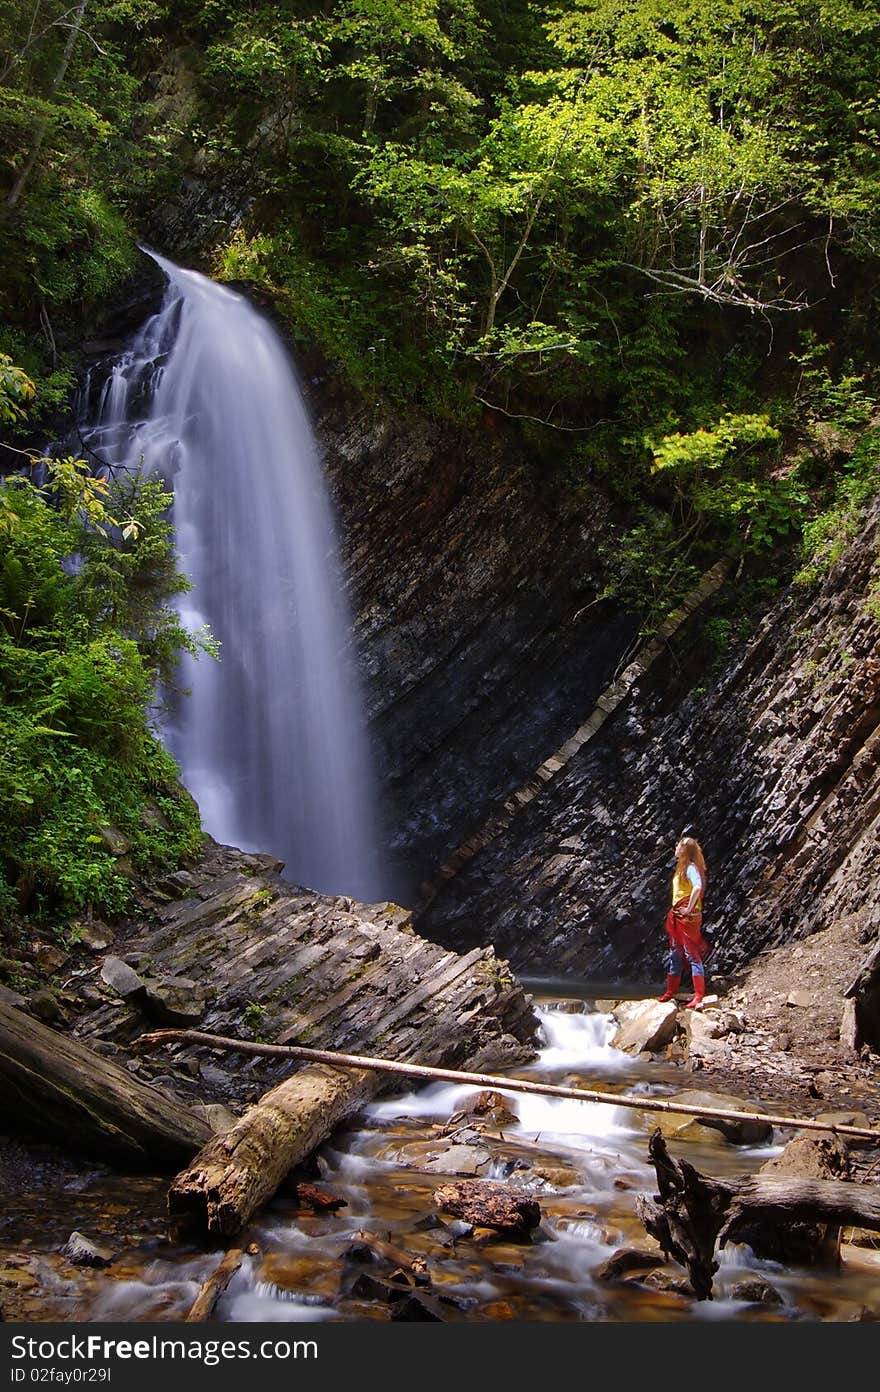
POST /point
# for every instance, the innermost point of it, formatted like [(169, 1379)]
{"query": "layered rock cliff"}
[(472, 583), (772, 759)]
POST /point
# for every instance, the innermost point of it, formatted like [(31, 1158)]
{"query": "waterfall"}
[(270, 740)]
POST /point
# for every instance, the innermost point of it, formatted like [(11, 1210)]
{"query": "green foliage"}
[(603, 220), (254, 1017), (650, 572), (86, 570), (16, 390), (827, 534)]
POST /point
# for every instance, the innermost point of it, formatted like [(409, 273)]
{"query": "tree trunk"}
[(43, 126), (66, 1092), (239, 1170)]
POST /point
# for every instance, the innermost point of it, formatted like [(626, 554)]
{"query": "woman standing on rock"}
[(684, 922)]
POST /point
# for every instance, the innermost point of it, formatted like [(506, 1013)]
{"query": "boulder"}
[(851, 1118), (484, 1204), (44, 1005), (80, 1251), (625, 1261), (799, 997), (218, 1117), (691, 1126), (644, 1025), (756, 1290), (47, 957), (123, 979), (492, 1107), (815, 1157), (804, 1243), (458, 1159), (701, 1034), (97, 937), (175, 1000), (114, 840)]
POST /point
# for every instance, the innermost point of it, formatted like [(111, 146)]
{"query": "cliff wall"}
[(772, 759)]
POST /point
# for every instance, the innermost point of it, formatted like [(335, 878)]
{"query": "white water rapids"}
[(271, 740)]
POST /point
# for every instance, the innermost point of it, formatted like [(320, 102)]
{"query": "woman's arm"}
[(696, 880)]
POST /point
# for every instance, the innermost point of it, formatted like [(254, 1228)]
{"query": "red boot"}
[(672, 985), (699, 992)]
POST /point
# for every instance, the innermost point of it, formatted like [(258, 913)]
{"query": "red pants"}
[(686, 941)]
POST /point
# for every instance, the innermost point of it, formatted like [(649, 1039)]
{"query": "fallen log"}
[(212, 1289), (500, 1084), (693, 1212), (58, 1088), (240, 1169)]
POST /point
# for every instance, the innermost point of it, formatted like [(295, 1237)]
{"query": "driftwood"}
[(212, 1289), (60, 1089), (801, 1243), (367, 1247), (499, 1084), (692, 1211)]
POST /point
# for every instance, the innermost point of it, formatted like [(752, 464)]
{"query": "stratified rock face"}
[(469, 585), (238, 951), (773, 762)]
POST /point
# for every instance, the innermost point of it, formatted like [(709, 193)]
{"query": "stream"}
[(584, 1162)]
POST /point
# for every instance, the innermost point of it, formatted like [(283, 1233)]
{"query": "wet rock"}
[(459, 1228), (844, 1118), (484, 1204), (667, 1281), (625, 1261), (691, 1126), (645, 1025), (417, 1306), (458, 1159), (312, 1197), (756, 1291), (80, 1251), (492, 1107)]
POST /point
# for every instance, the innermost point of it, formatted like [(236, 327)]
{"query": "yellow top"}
[(682, 886)]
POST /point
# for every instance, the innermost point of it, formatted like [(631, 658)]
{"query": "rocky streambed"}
[(387, 1248)]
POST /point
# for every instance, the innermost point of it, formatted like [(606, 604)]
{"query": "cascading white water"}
[(271, 740)]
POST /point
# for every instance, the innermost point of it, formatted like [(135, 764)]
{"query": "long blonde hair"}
[(690, 853)]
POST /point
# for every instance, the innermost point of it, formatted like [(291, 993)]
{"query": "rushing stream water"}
[(271, 740), (584, 1162)]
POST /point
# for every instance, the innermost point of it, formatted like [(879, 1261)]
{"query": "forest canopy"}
[(609, 225)]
